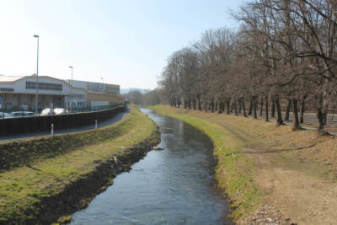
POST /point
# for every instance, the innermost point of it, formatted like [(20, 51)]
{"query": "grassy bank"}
[(36, 193), (270, 173), (26, 151)]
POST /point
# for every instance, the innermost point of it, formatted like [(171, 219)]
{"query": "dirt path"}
[(305, 199), (295, 191)]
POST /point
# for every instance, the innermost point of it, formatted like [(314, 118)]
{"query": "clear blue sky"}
[(124, 41)]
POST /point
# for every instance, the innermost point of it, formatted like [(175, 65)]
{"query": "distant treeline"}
[(283, 56), (140, 98)]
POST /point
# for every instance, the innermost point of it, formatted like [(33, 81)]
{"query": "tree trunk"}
[(302, 109), (267, 109), (325, 118), (235, 107), (228, 103), (194, 104), (273, 107), (250, 106), (286, 118), (322, 117), (240, 105), (243, 107), (185, 105), (279, 112), (212, 106), (323, 107), (295, 111), (199, 103), (261, 108), (255, 102)]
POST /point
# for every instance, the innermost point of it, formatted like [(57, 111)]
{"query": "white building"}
[(18, 93), (98, 94), (96, 87)]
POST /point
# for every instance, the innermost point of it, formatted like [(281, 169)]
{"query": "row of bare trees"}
[(283, 57)]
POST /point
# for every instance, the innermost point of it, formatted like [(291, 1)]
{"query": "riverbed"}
[(172, 186)]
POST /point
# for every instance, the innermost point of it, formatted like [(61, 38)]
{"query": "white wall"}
[(72, 95)]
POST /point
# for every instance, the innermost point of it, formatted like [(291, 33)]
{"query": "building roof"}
[(12, 79), (6, 78), (91, 82)]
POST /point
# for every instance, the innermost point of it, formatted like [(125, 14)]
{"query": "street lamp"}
[(37, 75), (102, 79), (72, 72), (71, 86)]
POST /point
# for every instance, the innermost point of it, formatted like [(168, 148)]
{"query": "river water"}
[(174, 186)]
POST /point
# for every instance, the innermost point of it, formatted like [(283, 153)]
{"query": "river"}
[(173, 186)]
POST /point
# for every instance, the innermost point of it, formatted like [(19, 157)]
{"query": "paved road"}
[(115, 119)]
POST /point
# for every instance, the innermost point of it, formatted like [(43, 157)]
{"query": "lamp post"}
[(37, 75), (102, 79), (71, 86), (72, 72)]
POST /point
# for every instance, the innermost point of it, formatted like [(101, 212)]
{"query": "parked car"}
[(28, 113), (21, 113), (5, 115), (16, 114), (60, 111), (56, 111), (47, 112)]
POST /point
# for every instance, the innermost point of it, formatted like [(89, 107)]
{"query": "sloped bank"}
[(48, 189)]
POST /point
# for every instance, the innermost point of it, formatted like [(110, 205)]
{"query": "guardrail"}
[(34, 124)]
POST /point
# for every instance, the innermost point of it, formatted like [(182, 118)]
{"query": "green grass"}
[(22, 188), (24, 152), (234, 171)]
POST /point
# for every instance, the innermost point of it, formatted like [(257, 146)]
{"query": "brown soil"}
[(307, 197), (295, 170)]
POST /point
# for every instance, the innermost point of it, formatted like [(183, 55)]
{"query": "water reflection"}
[(174, 186)]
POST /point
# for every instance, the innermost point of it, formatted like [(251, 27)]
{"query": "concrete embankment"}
[(271, 174), (40, 190)]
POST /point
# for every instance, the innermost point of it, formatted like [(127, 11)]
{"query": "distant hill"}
[(127, 90)]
